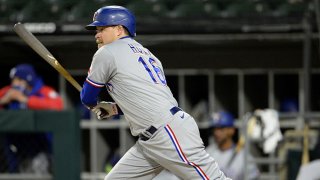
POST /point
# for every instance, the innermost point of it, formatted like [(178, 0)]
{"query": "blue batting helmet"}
[(114, 15), (25, 72), (222, 119)]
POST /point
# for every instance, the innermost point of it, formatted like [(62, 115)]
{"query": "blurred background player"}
[(224, 149), (27, 91)]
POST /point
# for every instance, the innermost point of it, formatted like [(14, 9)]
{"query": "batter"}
[(168, 137)]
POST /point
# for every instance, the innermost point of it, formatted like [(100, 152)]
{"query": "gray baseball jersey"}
[(135, 80), (236, 168)]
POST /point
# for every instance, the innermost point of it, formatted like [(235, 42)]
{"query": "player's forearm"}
[(4, 98), (89, 95), (2, 102), (3, 91)]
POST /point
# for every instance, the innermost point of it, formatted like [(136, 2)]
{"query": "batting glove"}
[(105, 109)]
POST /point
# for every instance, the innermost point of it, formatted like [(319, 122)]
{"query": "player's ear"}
[(125, 31)]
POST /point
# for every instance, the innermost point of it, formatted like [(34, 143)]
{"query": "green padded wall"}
[(65, 127)]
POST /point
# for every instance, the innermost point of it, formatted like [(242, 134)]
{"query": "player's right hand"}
[(5, 99), (13, 95), (105, 109)]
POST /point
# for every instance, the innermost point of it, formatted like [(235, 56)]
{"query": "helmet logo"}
[(216, 117), (29, 77), (95, 16), (13, 72)]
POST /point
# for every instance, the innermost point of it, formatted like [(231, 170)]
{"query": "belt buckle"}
[(146, 134), (143, 137)]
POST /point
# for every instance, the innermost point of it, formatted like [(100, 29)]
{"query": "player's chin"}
[(100, 45)]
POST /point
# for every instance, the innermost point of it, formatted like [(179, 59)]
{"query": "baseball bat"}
[(240, 144), (38, 47), (305, 152), (249, 128)]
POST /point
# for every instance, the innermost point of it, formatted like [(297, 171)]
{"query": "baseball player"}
[(224, 150), (168, 136), (27, 91)]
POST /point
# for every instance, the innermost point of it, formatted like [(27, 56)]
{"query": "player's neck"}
[(123, 35)]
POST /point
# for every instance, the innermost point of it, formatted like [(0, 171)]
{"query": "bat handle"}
[(305, 155)]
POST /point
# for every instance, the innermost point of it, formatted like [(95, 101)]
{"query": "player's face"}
[(19, 83), (106, 35), (222, 135)]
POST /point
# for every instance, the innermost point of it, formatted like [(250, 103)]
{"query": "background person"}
[(28, 92), (223, 150)]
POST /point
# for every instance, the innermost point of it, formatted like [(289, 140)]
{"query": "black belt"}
[(145, 135)]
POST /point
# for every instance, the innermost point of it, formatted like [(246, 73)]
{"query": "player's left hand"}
[(14, 94), (18, 96), (105, 109)]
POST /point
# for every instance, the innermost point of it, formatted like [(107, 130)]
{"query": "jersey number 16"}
[(156, 70)]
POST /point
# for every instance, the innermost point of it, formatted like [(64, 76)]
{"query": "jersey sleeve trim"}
[(95, 84)]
